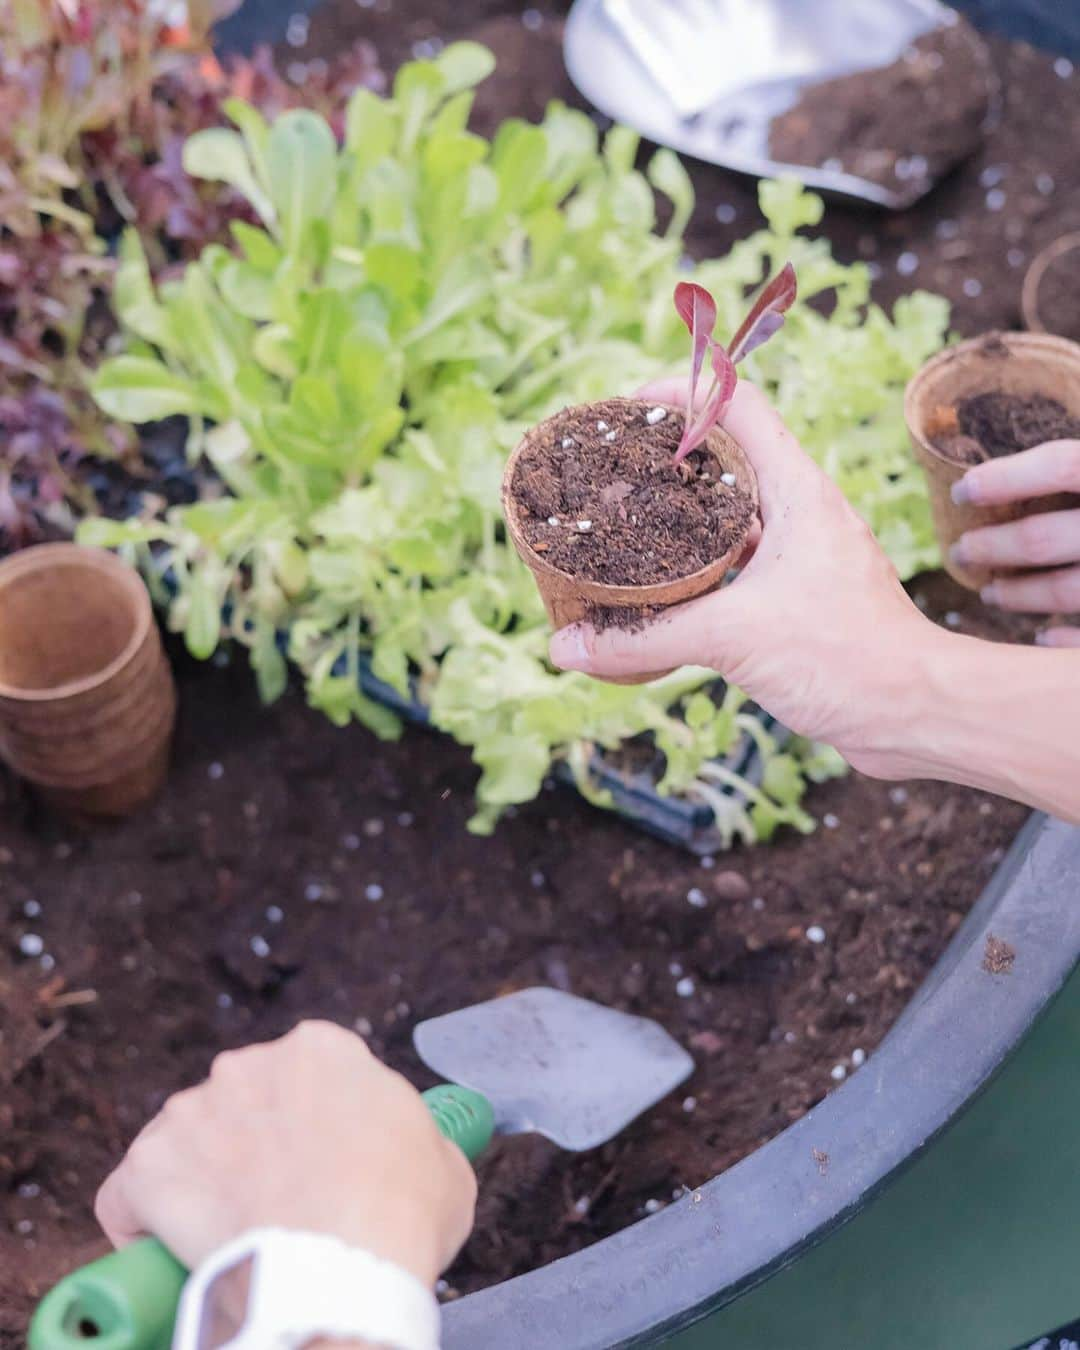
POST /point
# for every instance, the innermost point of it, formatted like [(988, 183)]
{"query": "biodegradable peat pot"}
[(569, 597), (1050, 300), (87, 701), (1023, 364)]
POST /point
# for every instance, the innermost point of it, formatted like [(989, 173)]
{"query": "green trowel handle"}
[(125, 1301), (463, 1116), (128, 1299)]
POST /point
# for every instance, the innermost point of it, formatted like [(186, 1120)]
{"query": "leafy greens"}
[(359, 369)]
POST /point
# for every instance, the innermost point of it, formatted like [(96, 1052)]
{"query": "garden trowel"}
[(707, 77), (537, 1061)]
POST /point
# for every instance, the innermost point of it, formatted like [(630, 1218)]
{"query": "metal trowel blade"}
[(555, 1064)]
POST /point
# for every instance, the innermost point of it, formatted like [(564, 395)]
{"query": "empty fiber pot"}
[(1021, 364), (87, 700), (571, 595), (1050, 300)]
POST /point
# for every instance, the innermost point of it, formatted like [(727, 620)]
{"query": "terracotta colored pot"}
[(1033, 279), (87, 701), (1015, 363), (568, 598)]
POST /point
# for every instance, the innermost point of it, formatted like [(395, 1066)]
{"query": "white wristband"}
[(304, 1286)]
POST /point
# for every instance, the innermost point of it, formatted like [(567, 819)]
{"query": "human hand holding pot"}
[(1047, 546), (814, 621), (818, 630), (309, 1133), (621, 509)]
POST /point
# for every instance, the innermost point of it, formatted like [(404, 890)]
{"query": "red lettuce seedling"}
[(697, 309)]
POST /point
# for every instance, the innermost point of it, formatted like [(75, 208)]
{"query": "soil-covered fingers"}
[(1048, 539), (685, 635), (1039, 472), (1055, 592)]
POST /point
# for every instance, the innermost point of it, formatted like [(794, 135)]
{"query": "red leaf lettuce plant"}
[(697, 309), (97, 98)]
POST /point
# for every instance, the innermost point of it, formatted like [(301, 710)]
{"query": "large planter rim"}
[(666, 1272)]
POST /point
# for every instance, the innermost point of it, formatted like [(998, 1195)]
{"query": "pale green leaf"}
[(301, 167), (371, 127), (202, 630), (271, 672), (133, 295), (787, 206), (220, 155), (667, 175), (141, 389), (463, 65)]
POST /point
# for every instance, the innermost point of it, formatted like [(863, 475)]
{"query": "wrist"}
[(405, 1239), (996, 716), (890, 707), (922, 733), (297, 1288)]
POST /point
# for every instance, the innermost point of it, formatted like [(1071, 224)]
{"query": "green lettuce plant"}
[(359, 368)]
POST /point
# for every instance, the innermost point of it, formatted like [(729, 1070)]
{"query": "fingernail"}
[(958, 554), (567, 649), (961, 492), (989, 594)]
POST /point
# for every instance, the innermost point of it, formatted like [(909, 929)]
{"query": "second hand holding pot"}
[(623, 509)]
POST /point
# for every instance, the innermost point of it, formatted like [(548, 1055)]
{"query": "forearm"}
[(987, 715)]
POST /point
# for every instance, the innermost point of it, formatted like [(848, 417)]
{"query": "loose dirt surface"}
[(998, 956), (602, 498), (969, 240), (350, 861), (901, 126)]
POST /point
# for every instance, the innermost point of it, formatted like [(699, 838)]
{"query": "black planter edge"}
[(666, 1272)]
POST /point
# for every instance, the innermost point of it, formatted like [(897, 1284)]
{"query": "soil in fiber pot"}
[(603, 499), (1058, 296), (988, 425)]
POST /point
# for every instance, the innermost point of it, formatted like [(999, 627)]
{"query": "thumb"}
[(693, 634), (782, 466)]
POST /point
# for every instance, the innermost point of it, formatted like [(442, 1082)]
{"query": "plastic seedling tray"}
[(677, 820)]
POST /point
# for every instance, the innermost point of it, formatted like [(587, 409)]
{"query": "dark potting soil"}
[(998, 956), (603, 499), (969, 240), (349, 859), (995, 423), (1058, 300), (900, 126), (1005, 424)]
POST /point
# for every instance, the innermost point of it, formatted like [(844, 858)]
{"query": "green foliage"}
[(358, 371)]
